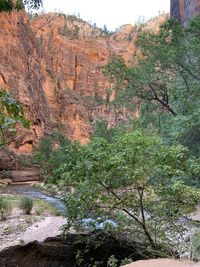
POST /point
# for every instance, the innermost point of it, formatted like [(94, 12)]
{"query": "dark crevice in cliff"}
[(75, 72), (3, 78)]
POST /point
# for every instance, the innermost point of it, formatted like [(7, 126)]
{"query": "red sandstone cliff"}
[(53, 65), (184, 10)]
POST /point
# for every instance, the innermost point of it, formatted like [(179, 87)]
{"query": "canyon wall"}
[(53, 64)]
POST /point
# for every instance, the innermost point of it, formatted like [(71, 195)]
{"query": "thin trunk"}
[(141, 223), (144, 226)]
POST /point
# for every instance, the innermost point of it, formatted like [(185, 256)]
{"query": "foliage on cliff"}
[(9, 5), (138, 183), (166, 80), (11, 114)]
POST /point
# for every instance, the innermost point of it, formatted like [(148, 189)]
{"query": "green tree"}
[(9, 5), (105, 30), (168, 62), (165, 78), (11, 114), (102, 130), (136, 181), (186, 96), (53, 152), (150, 78)]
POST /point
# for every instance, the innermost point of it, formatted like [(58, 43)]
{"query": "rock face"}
[(80, 249), (53, 64), (72, 252), (21, 74), (24, 176), (163, 263), (53, 253), (20, 176), (184, 10)]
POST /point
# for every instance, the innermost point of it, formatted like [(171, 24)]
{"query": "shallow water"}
[(30, 191)]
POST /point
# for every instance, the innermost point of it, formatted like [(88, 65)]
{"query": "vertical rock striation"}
[(184, 10), (53, 64)]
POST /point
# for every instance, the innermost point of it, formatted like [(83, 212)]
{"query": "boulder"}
[(54, 252), (87, 248), (5, 181), (24, 175), (162, 263)]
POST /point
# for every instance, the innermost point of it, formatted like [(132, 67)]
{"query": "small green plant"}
[(26, 204), (10, 229), (21, 242), (112, 261), (79, 258), (126, 261), (5, 174), (5, 208), (195, 247)]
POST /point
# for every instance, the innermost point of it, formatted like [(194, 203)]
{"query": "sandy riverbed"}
[(48, 227)]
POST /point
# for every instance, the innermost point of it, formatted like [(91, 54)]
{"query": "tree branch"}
[(196, 77), (163, 103)]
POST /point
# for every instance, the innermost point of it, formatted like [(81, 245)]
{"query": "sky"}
[(112, 13)]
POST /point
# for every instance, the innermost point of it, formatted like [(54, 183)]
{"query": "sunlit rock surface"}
[(53, 64)]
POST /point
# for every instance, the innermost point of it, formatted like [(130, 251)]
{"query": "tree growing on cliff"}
[(50, 158), (9, 5), (135, 181), (11, 113), (165, 78), (151, 78), (168, 60)]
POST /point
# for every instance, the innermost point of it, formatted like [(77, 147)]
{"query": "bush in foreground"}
[(137, 182), (26, 204)]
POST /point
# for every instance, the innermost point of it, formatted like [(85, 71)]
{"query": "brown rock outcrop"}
[(21, 74), (24, 176), (184, 10), (52, 253), (89, 248), (57, 251)]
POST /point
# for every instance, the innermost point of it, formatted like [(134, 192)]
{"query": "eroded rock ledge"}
[(85, 249), (53, 252), (81, 250)]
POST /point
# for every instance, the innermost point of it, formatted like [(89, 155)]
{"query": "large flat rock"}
[(24, 175), (163, 263)]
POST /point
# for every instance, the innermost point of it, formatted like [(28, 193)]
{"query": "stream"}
[(185, 222), (30, 191), (55, 202)]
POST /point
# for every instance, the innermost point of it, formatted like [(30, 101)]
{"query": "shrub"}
[(26, 204), (5, 208), (195, 247), (131, 174)]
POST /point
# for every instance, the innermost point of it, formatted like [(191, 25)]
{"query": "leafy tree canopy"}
[(168, 60), (50, 158), (9, 5), (11, 113), (165, 78), (135, 181)]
